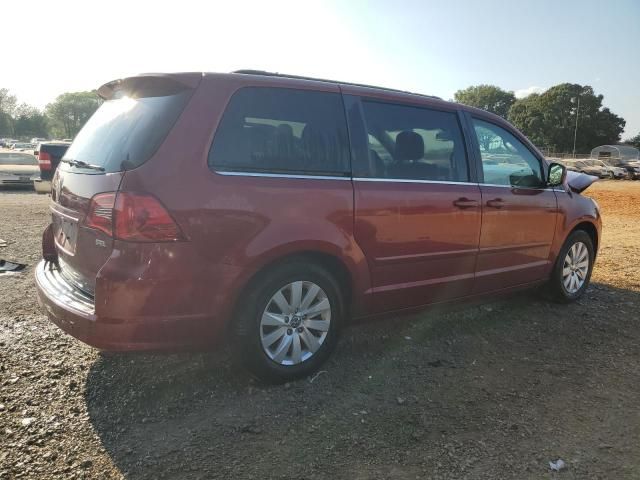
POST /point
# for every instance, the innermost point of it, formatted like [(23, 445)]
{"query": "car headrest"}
[(409, 146), (310, 134)]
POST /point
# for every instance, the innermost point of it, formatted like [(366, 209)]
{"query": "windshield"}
[(125, 132)]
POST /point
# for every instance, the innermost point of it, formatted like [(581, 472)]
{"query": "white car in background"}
[(18, 169), (595, 167), (610, 170)]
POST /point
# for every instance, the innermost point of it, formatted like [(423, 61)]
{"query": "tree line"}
[(549, 118), (63, 118)]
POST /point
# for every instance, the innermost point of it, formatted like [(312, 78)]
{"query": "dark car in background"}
[(268, 211), (49, 155)]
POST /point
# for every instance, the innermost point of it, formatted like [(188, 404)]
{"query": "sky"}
[(432, 47)]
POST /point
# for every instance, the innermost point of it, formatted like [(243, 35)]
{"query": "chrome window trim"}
[(408, 180), (514, 186), (369, 179), (442, 182), (279, 175)]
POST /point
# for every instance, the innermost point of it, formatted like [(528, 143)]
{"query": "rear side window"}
[(414, 143), (278, 130), (126, 131)]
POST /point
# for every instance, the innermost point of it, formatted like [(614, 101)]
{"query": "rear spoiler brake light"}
[(150, 85)]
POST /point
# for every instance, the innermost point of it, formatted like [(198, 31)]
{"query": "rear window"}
[(125, 131), (17, 159), (54, 150), (278, 130)]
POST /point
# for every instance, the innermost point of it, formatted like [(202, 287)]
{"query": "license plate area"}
[(65, 232)]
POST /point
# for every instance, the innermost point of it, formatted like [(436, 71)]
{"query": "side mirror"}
[(557, 174)]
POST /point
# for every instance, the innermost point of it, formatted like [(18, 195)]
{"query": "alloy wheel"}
[(575, 267), (295, 323)]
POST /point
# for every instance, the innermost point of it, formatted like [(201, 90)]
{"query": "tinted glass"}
[(414, 143), (125, 132), (277, 130), (505, 159), (56, 151)]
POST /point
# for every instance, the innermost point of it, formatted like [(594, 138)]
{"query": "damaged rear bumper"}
[(74, 312)]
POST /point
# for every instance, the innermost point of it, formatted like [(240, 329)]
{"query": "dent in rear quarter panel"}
[(235, 225), (254, 221), (573, 209)]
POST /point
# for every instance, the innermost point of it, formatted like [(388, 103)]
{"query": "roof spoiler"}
[(150, 85)]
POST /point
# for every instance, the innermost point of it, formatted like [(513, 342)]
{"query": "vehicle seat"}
[(284, 147), (315, 149), (409, 150), (378, 168)]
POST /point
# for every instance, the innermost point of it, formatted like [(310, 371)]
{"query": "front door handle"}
[(495, 203), (464, 202)]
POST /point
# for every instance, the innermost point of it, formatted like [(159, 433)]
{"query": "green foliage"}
[(487, 97), (635, 141), (549, 119), (7, 108), (62, 119), (69, 112), (28, 121)]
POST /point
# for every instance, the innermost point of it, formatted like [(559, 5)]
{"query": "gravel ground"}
[(492, 391)]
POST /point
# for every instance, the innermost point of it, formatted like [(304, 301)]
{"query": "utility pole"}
[(575, 131)]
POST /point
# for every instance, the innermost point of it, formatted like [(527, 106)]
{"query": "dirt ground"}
[(494, 391)]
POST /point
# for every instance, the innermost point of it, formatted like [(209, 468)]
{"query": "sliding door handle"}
[(464, 202), (495, 203)]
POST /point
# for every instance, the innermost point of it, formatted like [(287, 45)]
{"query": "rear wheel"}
[(288, 322), (572, 271)]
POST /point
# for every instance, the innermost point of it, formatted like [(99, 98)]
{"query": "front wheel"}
[(288, 323), (572, 272)]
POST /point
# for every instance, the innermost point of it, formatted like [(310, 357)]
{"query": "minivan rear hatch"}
[(125, 132)]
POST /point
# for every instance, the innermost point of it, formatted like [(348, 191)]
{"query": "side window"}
[(279, 130), (414, 143), (505, 159)]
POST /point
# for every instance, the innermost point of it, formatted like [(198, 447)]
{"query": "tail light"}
[(132, 217), (44, 160), (142, 218), (100, 214)]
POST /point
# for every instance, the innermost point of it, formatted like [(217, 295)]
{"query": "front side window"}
[(505, 159), (279, 130), (413, 143)]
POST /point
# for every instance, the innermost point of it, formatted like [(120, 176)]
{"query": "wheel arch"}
[(590, 229), (352, 274)]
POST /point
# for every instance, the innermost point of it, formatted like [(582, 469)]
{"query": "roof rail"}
[(299, 77)]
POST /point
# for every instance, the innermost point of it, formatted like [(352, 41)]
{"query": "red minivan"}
[(268, 211)]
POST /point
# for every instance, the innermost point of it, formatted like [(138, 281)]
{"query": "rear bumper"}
[(74, 312), (42, 186), (15, 182)]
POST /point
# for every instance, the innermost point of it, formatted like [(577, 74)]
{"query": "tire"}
[(260, 340), (560, 286)]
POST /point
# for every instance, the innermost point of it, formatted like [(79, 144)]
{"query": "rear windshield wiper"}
[(81, 164)]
